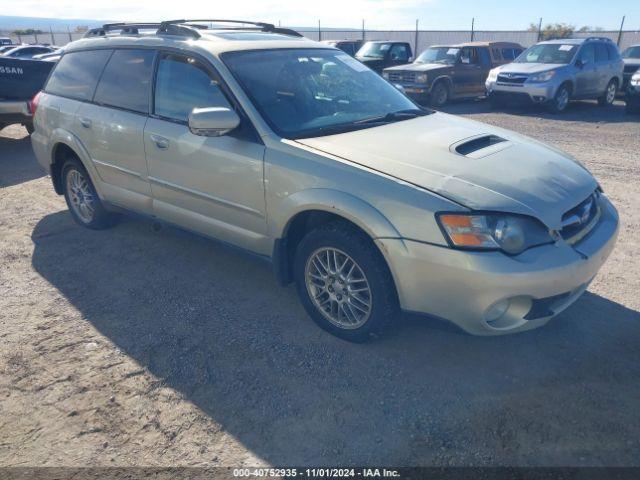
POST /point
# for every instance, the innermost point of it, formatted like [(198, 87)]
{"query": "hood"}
[(529, 67), (419, 67), (519, 175)]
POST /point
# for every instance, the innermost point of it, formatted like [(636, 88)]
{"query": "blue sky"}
[(398, 14)]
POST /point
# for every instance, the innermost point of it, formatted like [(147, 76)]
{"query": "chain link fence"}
[(419, 39)]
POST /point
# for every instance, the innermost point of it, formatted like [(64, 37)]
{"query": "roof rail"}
[(598, 38), (185, 28), (260, 26)]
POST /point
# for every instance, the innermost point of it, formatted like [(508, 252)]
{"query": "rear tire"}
[(82, 199), (344, 283), (609, 95), (439, 95), (561, 101)]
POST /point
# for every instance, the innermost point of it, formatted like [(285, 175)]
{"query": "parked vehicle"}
[(299, 153), (27, 51), (444, 72), (6, 48), (348, 46), (380, 54), (558, 71), (632, 98), (5, 41), (20, 80), (51, 56), (631, 59)]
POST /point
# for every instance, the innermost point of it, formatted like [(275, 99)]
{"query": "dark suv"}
[(631, 58), (349, 47), (380, 54), (443, 72)]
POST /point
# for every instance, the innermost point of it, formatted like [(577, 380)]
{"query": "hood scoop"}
[(479, 146)]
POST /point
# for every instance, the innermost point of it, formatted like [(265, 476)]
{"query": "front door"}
[(213, 185), (587, 75), (469, 72)]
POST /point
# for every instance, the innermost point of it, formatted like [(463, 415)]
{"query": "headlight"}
[(512, 234), (385, 75), (635, 80), (493, 75), (542, 77), (421, 78)]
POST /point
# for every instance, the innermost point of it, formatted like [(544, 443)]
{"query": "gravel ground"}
[(140, 347)]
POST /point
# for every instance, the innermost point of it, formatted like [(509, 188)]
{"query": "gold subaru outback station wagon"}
[(297, 152)]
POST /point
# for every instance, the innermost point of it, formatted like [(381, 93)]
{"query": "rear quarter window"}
[(76, 74), (126, 81)]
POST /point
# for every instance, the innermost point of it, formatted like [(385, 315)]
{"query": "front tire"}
[(344, 283), (82, 199), (561, 101), (439, 95), (609, 94)]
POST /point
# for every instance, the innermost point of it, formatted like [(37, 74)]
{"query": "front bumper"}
[(527, 92), (14, 111), (417, 91), (471, 289)]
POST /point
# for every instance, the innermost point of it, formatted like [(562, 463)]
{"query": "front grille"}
[(409, 77), (579, 221), (511, 78), (631, 68)]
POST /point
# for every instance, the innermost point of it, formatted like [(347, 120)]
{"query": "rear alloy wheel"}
[(439, 94), (609, 94), (82, 199), (561, 101), (344, 283)]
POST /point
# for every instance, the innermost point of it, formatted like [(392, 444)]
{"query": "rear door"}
[(399, 54), (604, 68), (112, 127), (213, 185)]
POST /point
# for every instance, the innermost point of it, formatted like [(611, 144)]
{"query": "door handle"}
[(85, 122), (161, 142)]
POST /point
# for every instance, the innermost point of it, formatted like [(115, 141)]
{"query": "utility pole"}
[(540, 29), (473, 21), (69, 32), (415, 50), (620, 32), (363, 34), (319, 31), (53, 40)]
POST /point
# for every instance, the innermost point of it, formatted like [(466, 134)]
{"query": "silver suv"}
[(557, 71), (297, 152)]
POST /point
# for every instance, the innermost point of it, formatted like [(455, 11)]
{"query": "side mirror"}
[(580, 63), (213, 121)]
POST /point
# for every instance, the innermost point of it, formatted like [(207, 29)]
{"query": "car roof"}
[(480, 44), (576, 41), (213, 41), (385, 41)]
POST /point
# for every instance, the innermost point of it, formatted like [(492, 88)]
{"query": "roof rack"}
[(598, 38), (185, 28)]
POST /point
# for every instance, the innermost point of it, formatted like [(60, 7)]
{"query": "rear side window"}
[(182, 84), (126, 80), (602, 54), (76, 74)]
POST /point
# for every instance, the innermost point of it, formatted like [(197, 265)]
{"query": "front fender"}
[(345, 205)]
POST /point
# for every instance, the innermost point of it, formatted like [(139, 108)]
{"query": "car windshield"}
[(548, 53), (313, 92), (632, 52), (439, 55), (373, 50)]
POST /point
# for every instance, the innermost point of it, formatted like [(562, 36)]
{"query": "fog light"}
[(497, 310)]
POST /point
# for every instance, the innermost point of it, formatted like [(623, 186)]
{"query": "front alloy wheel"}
[(338, 288), (343, 282), (561, 100)]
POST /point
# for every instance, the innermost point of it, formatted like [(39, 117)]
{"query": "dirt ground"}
[(159, 348)]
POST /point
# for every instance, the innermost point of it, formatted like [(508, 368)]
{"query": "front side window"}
[(548, 53), (508, 53), (374, 50), (313, 92), (439, 55), (400, 53), (588, 54), (469, 56), (126, 80), (182, 84), (76, 74)]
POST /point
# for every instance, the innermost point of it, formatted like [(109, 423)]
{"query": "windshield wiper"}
[(394, 116)]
